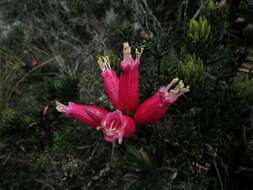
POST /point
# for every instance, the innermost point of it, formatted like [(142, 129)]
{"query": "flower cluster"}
[(123, 93)]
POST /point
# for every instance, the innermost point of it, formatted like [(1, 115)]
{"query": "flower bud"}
[(111, 81), (155, 108), (129, 80), (116, 126), (90, 115)]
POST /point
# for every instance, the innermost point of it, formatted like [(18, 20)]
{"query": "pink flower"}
[(155, 108), (111, 81), (116, 126), (90, 115), (123, 93), (129, 80)]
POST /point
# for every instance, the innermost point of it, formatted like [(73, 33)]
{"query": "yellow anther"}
[(173, 92), (114, 129), (184, 90), (139, 53), (60, 107), (126, 50), (181, 84), (179, 89), (104, 63), (174, 81)]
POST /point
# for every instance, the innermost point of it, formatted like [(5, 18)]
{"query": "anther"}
[(126, 50), (60, 107), (174, 81), (104, 63), (139, 53)]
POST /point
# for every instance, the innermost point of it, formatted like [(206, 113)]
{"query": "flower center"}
[(113, 128), (61, 107), (180, 88), (104, 63)]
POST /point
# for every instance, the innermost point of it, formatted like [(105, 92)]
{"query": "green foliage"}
[(114, 59), (8, 117), (62, 139), (9, 78), (243, 87), (48, 52), (139, 158), (198, 31), (191, 70), (210, 5), (41, 162), (168, 65), (248, 33), (198, 183)]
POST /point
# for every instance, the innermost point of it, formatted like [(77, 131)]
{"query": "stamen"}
[(180, 89), (60, 107), (174, 81), (173, 91), (109, 133), (180, 84), (111, 128), (126, 50), (120, 140), (184, 90), (139, 53), (104, 63), (112, 124), (114, 129)]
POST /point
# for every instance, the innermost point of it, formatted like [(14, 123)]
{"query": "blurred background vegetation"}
[(48, 52)]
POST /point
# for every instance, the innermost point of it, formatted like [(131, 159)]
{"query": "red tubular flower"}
[(129, 80), (111, 81), (117, 126), (90, 115), (155, 108)]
